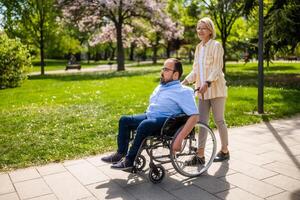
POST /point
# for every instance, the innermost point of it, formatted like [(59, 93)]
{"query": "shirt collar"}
[(170, 83), (207, 43)]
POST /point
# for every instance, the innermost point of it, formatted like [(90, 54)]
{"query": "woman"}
[(211, 85)]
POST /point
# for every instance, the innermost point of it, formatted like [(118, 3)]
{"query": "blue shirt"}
[(170, 99)]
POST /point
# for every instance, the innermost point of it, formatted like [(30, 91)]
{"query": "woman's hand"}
[(203, 88), (184, 82)]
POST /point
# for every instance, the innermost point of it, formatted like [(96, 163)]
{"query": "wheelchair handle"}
[(202, 95)]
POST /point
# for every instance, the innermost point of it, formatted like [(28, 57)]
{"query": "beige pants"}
[(218, 107)]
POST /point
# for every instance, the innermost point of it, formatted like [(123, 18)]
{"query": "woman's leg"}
[(204, 108), (218, 109)]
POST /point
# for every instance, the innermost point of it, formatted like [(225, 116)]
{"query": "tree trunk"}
[(88, 54), (168, 49), (154, 56), (155, 48), (224, 55), (106, 52), (42, 48), (190, 56), (131, 53), (112, 55), (120, 49)]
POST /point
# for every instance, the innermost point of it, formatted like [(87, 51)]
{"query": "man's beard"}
[(163, 81)]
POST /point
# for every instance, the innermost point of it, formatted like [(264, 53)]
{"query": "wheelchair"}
[(158, 149)]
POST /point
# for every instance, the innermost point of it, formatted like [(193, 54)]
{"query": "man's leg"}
[(126, 125), (146, 128)]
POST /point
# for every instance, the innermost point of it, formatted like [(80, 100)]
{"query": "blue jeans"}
[(144, 127)]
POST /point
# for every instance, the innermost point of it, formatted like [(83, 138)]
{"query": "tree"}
[(282, 26), (107, 35), (14, 62), (119, 12), (31, 20), (188, 12), (224, 14)]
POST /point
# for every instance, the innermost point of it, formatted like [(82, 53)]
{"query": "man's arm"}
[(189, 125)]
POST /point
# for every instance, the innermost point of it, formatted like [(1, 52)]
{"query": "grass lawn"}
[(56, 117)]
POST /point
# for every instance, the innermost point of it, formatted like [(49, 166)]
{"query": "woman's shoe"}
[(221, 156)]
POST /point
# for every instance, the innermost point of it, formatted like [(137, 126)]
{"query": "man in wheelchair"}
[(169, 98)]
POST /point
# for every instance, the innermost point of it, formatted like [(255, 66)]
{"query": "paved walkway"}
[(89, 69), (265, 164)]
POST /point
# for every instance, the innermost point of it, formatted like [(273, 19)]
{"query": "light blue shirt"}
[(171, 99)]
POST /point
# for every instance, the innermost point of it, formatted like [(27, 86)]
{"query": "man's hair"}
[(177, 66)]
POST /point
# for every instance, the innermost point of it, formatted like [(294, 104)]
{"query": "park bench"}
[(73, 66)]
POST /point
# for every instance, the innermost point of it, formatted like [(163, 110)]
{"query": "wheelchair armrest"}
[(173, 123)]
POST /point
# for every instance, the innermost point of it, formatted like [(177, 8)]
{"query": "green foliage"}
[(14, 62)]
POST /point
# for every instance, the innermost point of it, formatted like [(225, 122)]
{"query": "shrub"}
[(15, 62)]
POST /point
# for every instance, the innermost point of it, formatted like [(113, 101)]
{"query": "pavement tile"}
[(193, 193), (252, 185), (123, 178), (45, 197), (10, 196), (176, 181), (109, 190), (86, 173), (293, 150), (6, 185), (251, 170), (66, 187), (51, 169), (212, 184), (247, 157), (285, 183), (89, 198), (24, 174), (96, 160), (147, 191), (284, 169), (284, 196), (237, 194), (32, 188), (286, 158), (220, 169), (74, 162)]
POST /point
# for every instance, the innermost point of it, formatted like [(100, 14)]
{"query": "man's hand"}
[(189, 125)]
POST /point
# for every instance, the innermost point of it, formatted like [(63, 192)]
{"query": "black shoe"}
[(113, 158), (123, 165), (196, 160), (221, 156)]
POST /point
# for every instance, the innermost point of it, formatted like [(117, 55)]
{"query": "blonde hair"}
[(210, 25)]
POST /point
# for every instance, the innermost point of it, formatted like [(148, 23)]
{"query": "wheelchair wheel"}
[(140, 163), (181, 161), (156, 173)]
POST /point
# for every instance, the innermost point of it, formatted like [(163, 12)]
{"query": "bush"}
[(15, 61)]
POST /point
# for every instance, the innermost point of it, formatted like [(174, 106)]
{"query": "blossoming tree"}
[(93, 13)]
